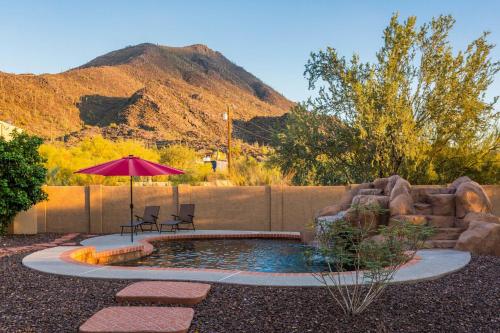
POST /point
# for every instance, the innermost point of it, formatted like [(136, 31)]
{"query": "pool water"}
[(257, 255)]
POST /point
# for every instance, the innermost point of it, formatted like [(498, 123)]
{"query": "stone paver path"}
[(63, 240), (164, 292), (137, 319)]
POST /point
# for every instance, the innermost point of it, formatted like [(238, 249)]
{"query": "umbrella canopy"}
[(130, 166)]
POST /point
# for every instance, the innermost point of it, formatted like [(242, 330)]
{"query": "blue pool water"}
[(257, 255)]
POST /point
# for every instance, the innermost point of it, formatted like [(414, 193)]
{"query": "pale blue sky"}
[(271, 39)]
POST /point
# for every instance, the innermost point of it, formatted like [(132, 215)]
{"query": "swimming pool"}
[(244, 254)]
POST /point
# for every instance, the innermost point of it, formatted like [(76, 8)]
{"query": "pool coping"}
[(427, 264)]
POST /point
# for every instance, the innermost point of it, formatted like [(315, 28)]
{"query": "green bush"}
[(22, 175)]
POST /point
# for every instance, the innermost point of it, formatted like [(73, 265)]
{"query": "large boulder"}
[(442, 204), (482, 217), (402, 205), (480, 238), (330, 210), (391, 181), (381, 183), (371, 191), (460, 180), (401, 186), (401, 201), (470, 197), (356, 214), (362, 200)]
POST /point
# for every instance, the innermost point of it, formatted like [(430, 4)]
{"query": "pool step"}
[(164, 292)]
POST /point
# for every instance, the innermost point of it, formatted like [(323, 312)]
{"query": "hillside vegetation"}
[(62, 161)]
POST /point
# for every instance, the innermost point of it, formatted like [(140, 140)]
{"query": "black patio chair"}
[(186, 216), (149, 218)]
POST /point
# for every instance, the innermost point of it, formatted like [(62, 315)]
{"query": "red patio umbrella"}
[(130, 166)]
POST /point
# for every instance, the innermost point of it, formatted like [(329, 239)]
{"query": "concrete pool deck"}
[(429, 264)]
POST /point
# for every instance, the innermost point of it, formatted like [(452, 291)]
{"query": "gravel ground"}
[(22, 240), (466, 301)]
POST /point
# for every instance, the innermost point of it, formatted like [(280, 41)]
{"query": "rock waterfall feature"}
[(461, 213)]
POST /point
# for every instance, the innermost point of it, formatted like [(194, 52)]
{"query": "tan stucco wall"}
[(300, 203), (229, 207), (25, 223), (102, 209), (66, 210)]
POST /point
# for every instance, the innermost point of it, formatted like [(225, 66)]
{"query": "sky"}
[(270, 39)]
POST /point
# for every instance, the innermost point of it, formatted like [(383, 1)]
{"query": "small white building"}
[(6, 130)]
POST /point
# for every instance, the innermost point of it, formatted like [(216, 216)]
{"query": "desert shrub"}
[(63, 161), (22, 175), (188, 160), (374, 257), (249, 171)]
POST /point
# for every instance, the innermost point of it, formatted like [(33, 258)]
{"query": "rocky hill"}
[(147, 91)]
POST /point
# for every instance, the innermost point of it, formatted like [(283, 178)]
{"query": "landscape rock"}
[(459, 181), (345, 201), (482, 217), (355, 214), (471, 197), (402, 205), (438, 221), (480, 238), (422, 208), (381, 200), (442, 204), (421, 193), (355, 190), (401, 186), (391, 181), (357, 217), (413, 219), (381, 183), (371, 191)]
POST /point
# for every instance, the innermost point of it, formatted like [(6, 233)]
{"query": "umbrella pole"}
[(131, 212)]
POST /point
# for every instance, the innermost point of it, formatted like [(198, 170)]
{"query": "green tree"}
[(22, 175), (419, 111)]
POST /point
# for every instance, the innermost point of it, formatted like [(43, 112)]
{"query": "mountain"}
[(149, 92)]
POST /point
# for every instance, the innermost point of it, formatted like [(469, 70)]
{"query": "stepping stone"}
[(164, 292), (138, 319)]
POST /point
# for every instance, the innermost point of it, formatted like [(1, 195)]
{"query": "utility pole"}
[(227, 117)]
